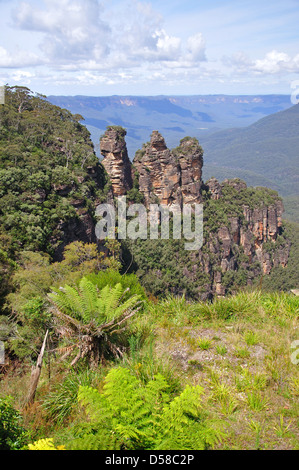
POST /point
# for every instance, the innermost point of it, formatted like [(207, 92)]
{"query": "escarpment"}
[(242, 226)]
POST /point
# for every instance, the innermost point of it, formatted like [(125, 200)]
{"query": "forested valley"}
[(138, 344)]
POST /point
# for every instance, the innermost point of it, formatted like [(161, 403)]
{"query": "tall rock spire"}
[(116, 161)]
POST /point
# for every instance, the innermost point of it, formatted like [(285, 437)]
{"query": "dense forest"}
[(125, 345)]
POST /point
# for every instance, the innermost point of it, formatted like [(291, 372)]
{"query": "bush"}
[(13, 435)]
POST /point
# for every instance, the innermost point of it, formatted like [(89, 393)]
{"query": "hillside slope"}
[(266, 152), (50, 177)]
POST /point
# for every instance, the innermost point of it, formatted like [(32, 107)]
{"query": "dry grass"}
[(245, 365), (238, 349)]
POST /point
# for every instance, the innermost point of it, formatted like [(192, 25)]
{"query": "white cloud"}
[(73, 29), (22, 76), (273, 63), (276, 62), (168, 47), (139, 35), (196, 47), (239, 60), (18, 59), (75, 35)]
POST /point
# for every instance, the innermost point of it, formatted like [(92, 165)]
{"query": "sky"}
[(155, 47)]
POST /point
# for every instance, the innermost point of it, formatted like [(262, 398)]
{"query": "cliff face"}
[(248, 240), (241, 225), (263, 225)]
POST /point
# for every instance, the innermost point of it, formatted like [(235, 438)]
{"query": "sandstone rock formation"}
[(190, 158), (241, 239), (215, 188), (158, 172), (116, 161), (170, 177)]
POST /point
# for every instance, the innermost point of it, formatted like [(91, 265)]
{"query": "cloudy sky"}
[(123, 47)]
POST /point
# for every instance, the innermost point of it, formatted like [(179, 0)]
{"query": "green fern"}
[(183, 426), (144, 418), (88, 296), (93, 319)]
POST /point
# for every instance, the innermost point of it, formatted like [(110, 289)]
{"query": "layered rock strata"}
[(116, 161), (170, 177), (245, 242)]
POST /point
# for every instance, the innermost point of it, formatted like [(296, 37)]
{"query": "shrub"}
[(44, 444), (13, 435)]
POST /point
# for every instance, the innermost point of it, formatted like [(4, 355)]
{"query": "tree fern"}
[(94, 317), (88, 300), (67, 300), (108, 301)]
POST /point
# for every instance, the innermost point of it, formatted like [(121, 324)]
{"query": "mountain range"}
[(251, 137), (173, 116), (267, 150)]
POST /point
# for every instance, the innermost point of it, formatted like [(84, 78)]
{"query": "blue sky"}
[(101, 47)]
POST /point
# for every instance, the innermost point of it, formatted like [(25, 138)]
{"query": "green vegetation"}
[(291, 204), (132, 356), (187, 146), (193, 376), (147, 418), (45, 157), (264, 153), (285, 278), (134, 195), (12, 434)]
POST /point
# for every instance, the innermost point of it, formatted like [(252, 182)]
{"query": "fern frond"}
[(88, 299), (67, 300), (145, 417), (108, 301), (130, 303)]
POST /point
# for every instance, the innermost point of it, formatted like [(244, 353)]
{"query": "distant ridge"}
[(174, 116), (264, 153)]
